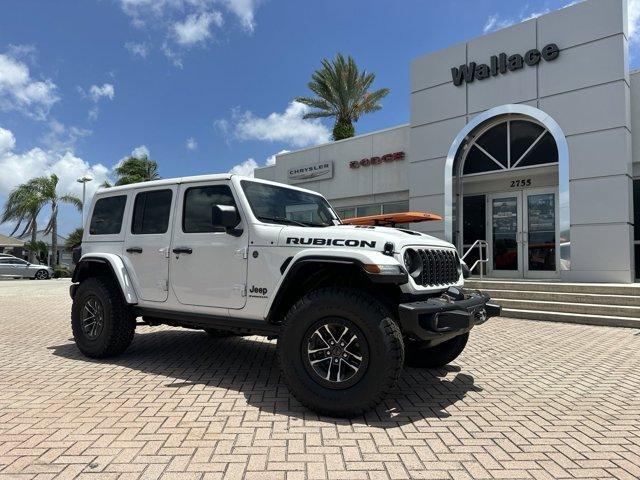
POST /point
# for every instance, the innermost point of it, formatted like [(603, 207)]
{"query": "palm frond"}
[(342, 91), (73, 200)]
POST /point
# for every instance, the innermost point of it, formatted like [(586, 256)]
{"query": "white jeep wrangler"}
[(349, 305)]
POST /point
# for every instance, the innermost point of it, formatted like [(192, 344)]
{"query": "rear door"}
[(147, 242), (7, 267), (18, 268), (208, 265)]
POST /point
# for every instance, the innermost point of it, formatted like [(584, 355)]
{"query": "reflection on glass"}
[(505, 233), (541, 216)]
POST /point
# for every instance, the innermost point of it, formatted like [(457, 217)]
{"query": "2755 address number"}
[(522, 182)]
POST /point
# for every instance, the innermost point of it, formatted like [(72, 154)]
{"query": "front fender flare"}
[(117, 268), (326, 255)]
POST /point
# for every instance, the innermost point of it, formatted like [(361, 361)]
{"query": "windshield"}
[(275, 204)]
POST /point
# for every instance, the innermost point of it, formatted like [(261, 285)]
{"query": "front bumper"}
[(453, 313)]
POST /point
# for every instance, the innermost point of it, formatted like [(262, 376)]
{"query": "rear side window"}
[(197, 216), (151, 212), (107, 215)]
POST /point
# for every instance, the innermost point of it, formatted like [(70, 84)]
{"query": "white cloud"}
[(138, 49), (247, 167), (196, 28), (7, 140), (19, 91), (191, 144), (496, 22), (184, 23), (105, 91), (61, 137), (245, 11), (288, 127), (171, 55), (40, 161), (140, 151), (634, 20), (222, 125)]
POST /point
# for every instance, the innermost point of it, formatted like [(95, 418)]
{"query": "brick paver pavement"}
[(525, 400)]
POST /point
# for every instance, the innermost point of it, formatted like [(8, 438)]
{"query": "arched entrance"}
[(506, 182)]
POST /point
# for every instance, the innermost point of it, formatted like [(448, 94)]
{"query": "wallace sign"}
[(501, 64)]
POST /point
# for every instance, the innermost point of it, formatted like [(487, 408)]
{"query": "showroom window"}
[(372, 209), (508, 145)]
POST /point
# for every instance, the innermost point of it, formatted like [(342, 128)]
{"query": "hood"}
[(356, 236)]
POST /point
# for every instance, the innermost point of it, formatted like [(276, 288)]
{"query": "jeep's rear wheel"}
[(340, 351), (421, 356), (103, 325)]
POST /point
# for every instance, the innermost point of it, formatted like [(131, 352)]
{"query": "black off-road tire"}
[(382, 348), (118, 325), (420, 356)]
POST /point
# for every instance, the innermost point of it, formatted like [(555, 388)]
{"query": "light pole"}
[(83, 181)]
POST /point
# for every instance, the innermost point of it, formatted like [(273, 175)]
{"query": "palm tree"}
[(23, 206), (46, 187), (342, 92), (39, 249), (74, 239), (136, 169)]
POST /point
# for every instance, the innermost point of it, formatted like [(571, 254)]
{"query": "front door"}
[(208, 265), (523, 234)]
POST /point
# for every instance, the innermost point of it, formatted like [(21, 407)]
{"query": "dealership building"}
[(522, 138)]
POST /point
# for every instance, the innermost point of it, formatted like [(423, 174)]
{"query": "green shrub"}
[(61, 272)]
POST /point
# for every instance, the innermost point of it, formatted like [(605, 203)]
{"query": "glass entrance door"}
[(505, 235), (523, 234), (540, 237)]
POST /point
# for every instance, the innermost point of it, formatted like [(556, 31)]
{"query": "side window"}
[(107, 215), (197, 215), (13, 261), (151, 212)]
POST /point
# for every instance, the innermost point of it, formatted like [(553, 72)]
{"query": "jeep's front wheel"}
[(103, 324), (340, 351)]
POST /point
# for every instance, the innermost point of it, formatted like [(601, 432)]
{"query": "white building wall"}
[(586, 91), (386, 182)]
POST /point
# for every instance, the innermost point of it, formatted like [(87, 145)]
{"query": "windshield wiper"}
[(291, 221), (282, 220)]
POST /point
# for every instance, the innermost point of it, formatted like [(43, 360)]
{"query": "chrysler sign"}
[(307, 173), (501, 64)]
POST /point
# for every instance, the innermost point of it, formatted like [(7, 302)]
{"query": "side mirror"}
[(227, 217)]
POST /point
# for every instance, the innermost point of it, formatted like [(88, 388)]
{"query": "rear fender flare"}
[(118, 270)]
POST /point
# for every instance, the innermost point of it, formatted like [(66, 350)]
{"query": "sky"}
[(204, 86)]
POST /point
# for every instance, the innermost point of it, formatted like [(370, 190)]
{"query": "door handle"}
[(134, 250), (187, 250)]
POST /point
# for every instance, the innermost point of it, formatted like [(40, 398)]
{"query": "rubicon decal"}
[(335, 242)]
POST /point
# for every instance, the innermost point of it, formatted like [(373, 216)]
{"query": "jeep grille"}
[(439, 267)]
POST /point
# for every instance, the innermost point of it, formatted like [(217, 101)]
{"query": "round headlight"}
[(412, 262)]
